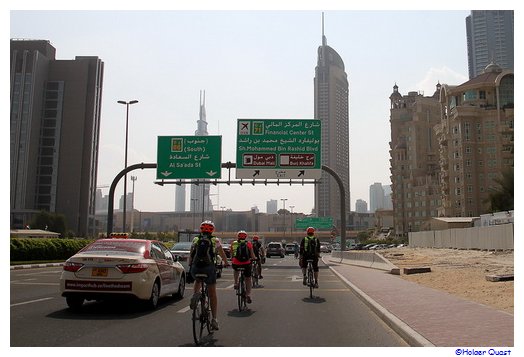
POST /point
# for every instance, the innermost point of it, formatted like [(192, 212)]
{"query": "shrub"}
[(28, 249)]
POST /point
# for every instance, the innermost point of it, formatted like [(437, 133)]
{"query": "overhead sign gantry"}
[(278, 149)]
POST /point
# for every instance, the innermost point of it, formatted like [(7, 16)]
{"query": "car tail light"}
[(132, 268), (72, 267)]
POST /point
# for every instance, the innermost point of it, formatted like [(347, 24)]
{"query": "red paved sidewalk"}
[(426, 316)]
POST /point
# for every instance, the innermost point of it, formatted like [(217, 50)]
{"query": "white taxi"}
[(118, 268)]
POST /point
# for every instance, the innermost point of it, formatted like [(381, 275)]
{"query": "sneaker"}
[(194, 301), (316, 285), (261, 277), (248, 299), (304, 280), (214, 324)]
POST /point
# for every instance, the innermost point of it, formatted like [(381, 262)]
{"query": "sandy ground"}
[(460, 272)]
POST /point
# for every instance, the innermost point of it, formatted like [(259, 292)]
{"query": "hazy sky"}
[(251, 64)]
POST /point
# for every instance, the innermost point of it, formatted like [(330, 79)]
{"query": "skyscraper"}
[(332, 108), (200, 201), (376, 197), (180, 198), (54, 134), (490, 39)]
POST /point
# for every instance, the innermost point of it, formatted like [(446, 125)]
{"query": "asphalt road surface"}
[(281, 315)]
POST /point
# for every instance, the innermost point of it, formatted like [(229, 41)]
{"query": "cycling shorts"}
[(247, 269), (208, 269), (303, 263)]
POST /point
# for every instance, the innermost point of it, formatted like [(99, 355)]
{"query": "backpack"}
[(203, 252), (256, 248), (242, 251), (310, 245)]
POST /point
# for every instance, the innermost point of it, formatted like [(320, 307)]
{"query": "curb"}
[(412, 337), (29, 266)]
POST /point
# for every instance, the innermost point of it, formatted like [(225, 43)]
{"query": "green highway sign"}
[(316, 222), (189, 157), (278, 148)]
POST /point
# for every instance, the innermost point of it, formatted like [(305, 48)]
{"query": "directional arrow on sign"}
[(211, 173), (166, 173), (301, 173), (257, 172)]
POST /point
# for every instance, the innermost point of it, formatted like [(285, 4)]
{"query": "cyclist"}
[(201, 260), (309, 249), (242, 253), (258, 249)]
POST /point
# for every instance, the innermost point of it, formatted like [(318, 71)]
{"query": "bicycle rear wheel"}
[(201, 319), (310, 282), (198, 322), (254, 274), (240, 291)]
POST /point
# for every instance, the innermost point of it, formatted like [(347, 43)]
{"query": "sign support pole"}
[(228, 165)]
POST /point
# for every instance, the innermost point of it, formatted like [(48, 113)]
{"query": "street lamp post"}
[(133, 178), (224, 225), (292, 220), (127, 104), (284, 200)]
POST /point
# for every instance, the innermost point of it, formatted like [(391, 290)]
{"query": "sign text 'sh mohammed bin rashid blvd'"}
[(189, 157), (278, 148)]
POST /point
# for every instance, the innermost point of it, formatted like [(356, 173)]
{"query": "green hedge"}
[(26, 249)]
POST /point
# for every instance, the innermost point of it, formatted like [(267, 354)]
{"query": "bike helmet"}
[(207, 227), (255, 237), (310, 230), (242, 235)]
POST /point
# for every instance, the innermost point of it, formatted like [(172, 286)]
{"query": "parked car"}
[(219, 265), (275, 248), (181, 251), (122, 268), (227, 249), (325, 247), (290, 248)]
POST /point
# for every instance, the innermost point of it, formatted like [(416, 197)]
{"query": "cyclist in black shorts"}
[(201, 260), (309, 249), (258, 249)]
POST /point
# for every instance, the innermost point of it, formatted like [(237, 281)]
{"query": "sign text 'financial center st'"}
[(278, 148)]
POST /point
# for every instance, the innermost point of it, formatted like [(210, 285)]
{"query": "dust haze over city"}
[(251, 64)]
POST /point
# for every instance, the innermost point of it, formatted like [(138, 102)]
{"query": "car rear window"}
[(114, 246), (274, 246), (182, 246)]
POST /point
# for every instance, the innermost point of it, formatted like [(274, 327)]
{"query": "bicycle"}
[(254, 272), (201, 316), (310, 277), (241, 290)]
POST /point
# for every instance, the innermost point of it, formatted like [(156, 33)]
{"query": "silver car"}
[(181, 251)]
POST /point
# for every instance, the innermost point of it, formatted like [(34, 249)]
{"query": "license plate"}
[(99, 272)]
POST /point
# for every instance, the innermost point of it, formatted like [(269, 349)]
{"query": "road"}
[(281, 315)]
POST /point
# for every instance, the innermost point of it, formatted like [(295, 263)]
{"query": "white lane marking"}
[(185, 309), (22, 283), (17, 281), (230, 286), (32, 301)]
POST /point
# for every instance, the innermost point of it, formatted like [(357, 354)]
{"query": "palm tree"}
[(502, 197)]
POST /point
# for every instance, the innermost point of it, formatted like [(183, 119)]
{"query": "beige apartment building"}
[(414, 159), (446, 150), (476, 140)]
